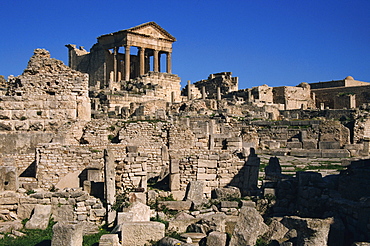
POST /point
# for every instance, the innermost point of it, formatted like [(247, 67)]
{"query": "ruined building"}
[(115, 120)]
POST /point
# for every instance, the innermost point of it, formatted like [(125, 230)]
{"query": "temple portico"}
[(138, 60), (151, 42), (118, 59)]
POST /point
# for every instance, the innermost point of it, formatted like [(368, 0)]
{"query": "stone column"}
[(218, 93), (189, 91), (169, 63), (142, 60), (127, 63), (115, 64), (109, 186), (155, 60), (203, 92)]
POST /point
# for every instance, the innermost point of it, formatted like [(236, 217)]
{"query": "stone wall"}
[(294, 97), (40, 102), (327, 95), (223, 80)]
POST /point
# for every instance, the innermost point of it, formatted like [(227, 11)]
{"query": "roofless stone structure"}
[(110, 59)]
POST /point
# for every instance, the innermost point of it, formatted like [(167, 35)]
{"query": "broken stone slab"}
[(329, 145), (68, 233), (226, 193), (40, 217), (310, 232), (216, 238), (229, 204), (212, 222), (140, 211), (24, 211), (8, 226), (335, 153), (63, 212), (248, 228), (176, 205), (193, 237), (109, 240), (168, 241), (141, 233), (194, 191), (276, 230)]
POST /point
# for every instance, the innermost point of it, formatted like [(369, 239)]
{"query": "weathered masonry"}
[(110, 59)]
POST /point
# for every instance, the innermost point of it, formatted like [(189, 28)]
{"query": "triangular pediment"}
[(152, 29)]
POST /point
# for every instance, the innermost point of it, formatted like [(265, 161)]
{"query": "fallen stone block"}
[(109, 240), (248, 228), (141, 233), (176, 205), (216, 238), (67, 234), (40, 217)]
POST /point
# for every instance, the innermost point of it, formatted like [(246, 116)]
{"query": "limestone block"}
[(294, 145), (9, 180), (195, 191), (140, 211), (276, 230), (174, 166), (335, 153), (226, 193), (176, 205), (40, 217), (25, 210), (202, 176), (124, 217), (175, 182), (207, 163), (229, 204), (216, 238), (249, 226), (63, 212), (67, 234), (309, 144), (141, 233), (109, 240), (310, 232)]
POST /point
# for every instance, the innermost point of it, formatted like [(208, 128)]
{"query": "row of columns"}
[(141, 54)]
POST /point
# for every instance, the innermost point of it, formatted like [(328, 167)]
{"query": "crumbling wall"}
[(46, 96), (327, 95), (223, 80)]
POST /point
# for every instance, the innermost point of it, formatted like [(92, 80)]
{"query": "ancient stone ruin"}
[(112, 141)]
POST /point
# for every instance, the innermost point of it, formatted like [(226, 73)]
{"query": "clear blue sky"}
[(273, 42)]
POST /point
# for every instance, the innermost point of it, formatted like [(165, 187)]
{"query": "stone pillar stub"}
[(204, 92), (127, 63), (67, 234), (218, 93), (174, 181)]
